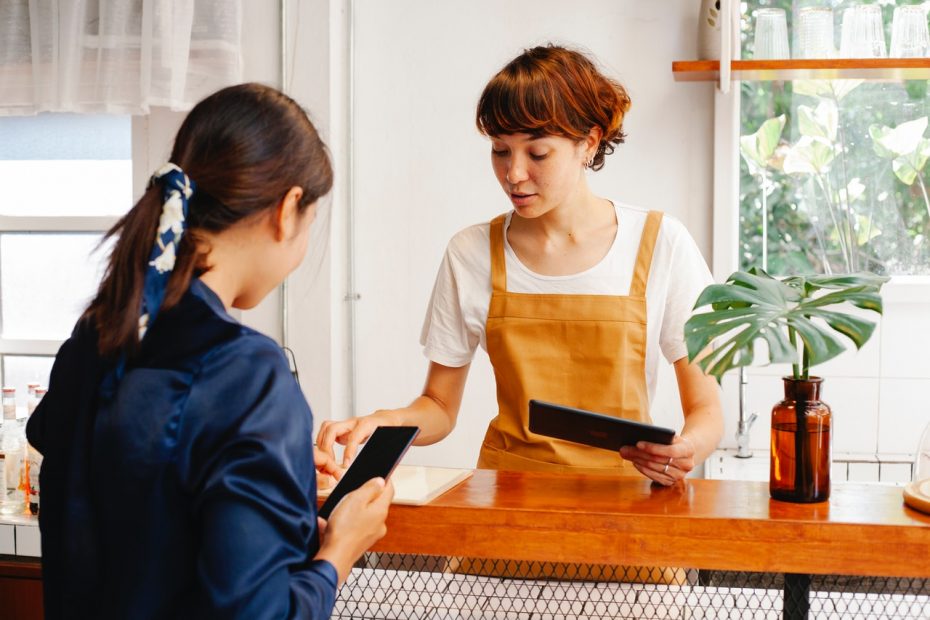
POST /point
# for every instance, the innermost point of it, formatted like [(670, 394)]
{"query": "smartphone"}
[(591, 428), (377, 459)]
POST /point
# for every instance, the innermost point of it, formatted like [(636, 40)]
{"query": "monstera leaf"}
[(753, 306), (820, 122), (809, 156), (904, 145), (759, 147)]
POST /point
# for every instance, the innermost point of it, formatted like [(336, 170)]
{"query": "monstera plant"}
[(798, 319), (793, 316)]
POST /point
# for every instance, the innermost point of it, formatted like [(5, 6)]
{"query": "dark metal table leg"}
[(797, 596), (703, 577)]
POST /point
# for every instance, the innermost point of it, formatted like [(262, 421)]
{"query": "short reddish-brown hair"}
[(553, 90)]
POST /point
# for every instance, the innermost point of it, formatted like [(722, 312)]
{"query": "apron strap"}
[(498, 267), (647, 244)]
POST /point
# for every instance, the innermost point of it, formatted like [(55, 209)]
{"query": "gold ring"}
[(665, 471)]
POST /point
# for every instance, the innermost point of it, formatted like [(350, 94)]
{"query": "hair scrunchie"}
[(176, 193)]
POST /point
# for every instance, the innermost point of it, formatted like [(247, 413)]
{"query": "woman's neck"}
[(572, 220), (229, 257), (219, 283)]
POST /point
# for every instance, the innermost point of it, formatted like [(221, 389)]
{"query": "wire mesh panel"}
[(415, 587)]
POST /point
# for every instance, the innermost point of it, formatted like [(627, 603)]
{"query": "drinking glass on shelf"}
[(815, 33), (863, 34), (771, 35), (909, 35)]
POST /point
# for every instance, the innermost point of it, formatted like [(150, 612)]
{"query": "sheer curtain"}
[(115, 56)]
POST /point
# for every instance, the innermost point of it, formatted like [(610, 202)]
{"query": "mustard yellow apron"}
[(586, 351)]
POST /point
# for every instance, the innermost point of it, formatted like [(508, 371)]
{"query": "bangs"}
[(514, 102)]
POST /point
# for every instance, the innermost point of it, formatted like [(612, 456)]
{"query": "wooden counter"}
[(710, 524), (713, 524)]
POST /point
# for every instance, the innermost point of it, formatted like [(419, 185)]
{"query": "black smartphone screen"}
[(377, 459)]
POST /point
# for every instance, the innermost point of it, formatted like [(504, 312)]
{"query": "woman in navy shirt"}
[(179, 476)]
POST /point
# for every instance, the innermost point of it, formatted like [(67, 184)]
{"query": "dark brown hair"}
[(244, 147), (552, 90)]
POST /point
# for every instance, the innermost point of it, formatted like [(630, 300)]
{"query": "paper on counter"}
[(417, 485)]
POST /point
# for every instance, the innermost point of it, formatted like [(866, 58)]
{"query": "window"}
[(830, 176), (833, 174), (66, 179)]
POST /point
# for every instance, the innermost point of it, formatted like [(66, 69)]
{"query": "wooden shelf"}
[(808, 69)]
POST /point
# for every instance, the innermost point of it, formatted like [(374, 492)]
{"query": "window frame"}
[(65, 225), (45, 224), (151, 137)]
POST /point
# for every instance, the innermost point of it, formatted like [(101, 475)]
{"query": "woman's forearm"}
[(436, 409), (700, 401), (434, 420), (703, 428)]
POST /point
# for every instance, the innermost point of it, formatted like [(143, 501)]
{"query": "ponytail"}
[(116, 310)]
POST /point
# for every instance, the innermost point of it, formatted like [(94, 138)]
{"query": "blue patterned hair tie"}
[(177, 190)]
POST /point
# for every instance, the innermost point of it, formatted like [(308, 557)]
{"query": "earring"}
[(589, 163)]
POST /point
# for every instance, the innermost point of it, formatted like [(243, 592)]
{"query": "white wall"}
[(422, 171), (317, 318)]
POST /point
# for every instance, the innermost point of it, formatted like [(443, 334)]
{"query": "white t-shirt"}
[(458, 309)]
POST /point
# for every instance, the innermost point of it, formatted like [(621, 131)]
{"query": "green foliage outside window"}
[(838, 167)]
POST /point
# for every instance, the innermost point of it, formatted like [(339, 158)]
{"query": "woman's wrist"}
[(424, 413), (338, 558), (698, 447), (390, 417)]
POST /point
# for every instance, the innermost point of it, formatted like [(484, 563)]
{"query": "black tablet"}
[(377, 459), (592, 429)]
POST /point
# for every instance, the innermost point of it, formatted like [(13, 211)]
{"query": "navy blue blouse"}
[(187, 489)]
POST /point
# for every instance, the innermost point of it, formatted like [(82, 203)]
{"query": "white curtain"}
[(115, 56)]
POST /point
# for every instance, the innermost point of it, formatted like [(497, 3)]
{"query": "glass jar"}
[(801, 444), (9, 403), (12, 457), (922, 460), (31, 400)]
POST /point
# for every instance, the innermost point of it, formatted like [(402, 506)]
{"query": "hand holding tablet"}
[(593, 429), (656, 452)]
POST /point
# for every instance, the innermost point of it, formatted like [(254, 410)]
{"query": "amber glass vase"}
[(801, 446)]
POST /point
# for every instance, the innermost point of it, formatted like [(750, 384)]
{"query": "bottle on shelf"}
[(31, 399), (13, 455), (9, 401), (33, 465)]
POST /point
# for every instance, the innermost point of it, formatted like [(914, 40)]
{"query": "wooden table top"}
[(716, 524)]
